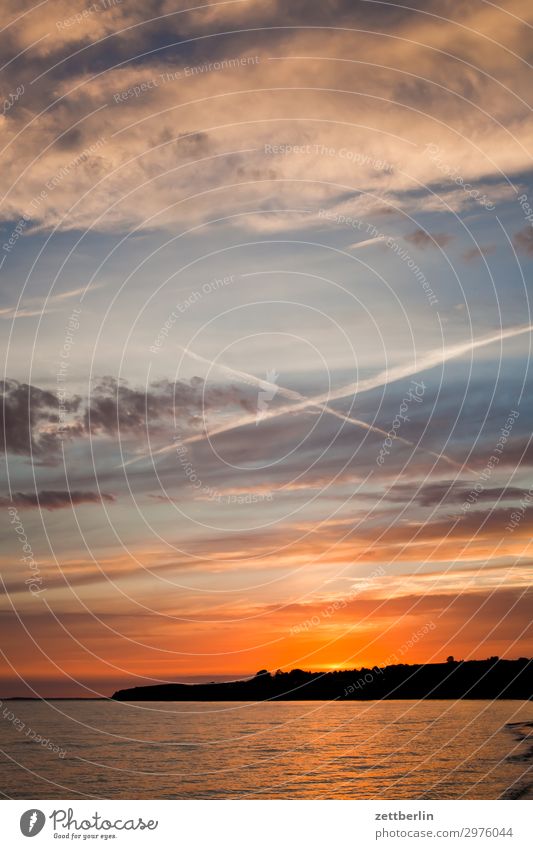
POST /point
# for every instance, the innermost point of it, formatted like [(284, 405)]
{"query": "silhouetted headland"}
[(469, 679)]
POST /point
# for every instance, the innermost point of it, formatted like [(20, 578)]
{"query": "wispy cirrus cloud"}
[(34, 306)]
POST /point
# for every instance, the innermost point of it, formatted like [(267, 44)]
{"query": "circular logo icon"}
[(32, 822)]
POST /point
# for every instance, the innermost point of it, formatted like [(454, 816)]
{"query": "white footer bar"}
[(273, 824)]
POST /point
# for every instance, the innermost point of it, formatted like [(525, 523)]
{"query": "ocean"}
[(267, 750)]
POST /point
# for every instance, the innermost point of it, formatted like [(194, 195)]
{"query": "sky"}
[(266, 333)]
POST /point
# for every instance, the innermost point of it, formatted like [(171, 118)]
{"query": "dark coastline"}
[(472, 679)]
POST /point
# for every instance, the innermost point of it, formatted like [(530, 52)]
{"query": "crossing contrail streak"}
[(383, 378), (296, 396), (427, 361)]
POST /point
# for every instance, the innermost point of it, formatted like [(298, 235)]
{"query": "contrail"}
[(264, 385), (281, 390), (296, 396), (427, 361), (373, 241)]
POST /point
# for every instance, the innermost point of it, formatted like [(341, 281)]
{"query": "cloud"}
[(145, 161), (43, 306), (29, 419), (478, 252), (53, 499), (451, 492), (518, 453), (30, 422), (428, 240), (115, 407), (524, 240)]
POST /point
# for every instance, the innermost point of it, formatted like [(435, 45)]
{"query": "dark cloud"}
[(523, 240), (193, 144), (115, 407), (518, 452), (71, 140), (29, 419), (132, 34), (451, 492), (421, 239), (30, 424), (305, 12), (53, 499), (386, 211), (477, 253)]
